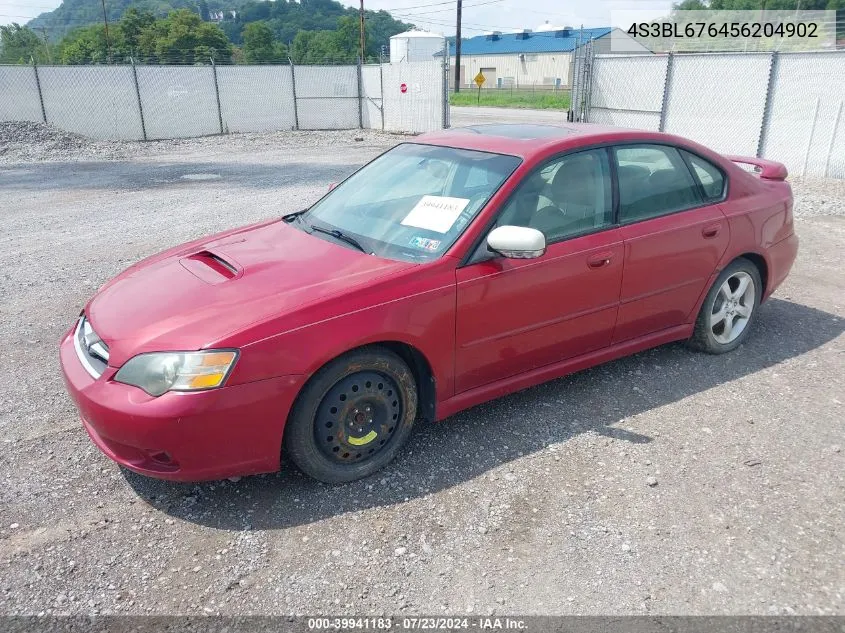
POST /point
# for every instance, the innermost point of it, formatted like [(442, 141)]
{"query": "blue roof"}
[(541, 42)]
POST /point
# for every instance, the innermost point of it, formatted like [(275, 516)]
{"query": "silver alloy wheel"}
[(732, 307)]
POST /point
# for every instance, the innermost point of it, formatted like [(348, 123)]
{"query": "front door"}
[(517, 315)]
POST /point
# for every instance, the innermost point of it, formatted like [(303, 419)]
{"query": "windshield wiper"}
[(340, 235)]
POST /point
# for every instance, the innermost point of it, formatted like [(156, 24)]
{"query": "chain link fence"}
[(243, 111), (143, 102), (409, 102), (628, 91), (20, 95), (805, 121), (783, 106)]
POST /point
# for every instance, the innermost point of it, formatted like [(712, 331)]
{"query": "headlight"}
[(161, 372)]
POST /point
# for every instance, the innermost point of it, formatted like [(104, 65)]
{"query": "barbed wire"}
[(119, 60)]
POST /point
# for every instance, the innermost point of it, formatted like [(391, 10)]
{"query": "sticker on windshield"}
[(425, 243), (435, 213)]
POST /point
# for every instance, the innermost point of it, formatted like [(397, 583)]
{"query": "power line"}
[(420, 6), (468, 6), (430, 21), (508, 29)]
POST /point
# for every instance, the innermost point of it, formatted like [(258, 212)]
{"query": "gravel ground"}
[(24, 142), (669, 482)]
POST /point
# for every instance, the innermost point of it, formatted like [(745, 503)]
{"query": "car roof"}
[(525, 139)]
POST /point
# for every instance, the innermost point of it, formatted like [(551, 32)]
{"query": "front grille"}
[(93, 353)]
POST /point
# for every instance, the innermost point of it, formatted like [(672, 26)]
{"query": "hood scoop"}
[(210, 267)]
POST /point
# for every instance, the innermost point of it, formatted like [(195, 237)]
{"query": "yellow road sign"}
[(479, 79)]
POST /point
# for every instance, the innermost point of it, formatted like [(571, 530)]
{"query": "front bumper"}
[(195, 436)]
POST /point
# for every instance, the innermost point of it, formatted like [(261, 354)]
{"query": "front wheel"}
[(353, 416), (729, 309)]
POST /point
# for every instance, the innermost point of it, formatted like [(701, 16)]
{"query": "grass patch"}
[(505, 98)]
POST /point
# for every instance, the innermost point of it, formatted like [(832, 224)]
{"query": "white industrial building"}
[(540, 58)]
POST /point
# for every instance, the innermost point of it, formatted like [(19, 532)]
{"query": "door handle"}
[(711, 230), (599, 260)]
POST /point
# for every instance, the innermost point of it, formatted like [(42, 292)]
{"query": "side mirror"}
[(517, 242)]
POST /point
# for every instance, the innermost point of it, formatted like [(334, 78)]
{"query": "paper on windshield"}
[(435, 213)]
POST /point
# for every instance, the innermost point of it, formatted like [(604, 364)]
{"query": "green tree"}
[(18, 44), (342, 44), (131, 27), (86, 45), (260, 45), (204, 14), (314, 47), (183, 38)]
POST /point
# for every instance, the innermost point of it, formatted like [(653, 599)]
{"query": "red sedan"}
[(450, 270)]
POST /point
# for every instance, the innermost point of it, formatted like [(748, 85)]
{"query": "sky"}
[(21, 11), (479, 16)]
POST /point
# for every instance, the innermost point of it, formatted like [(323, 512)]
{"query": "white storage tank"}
[(415, 46)]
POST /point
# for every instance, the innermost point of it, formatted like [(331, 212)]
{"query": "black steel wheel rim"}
[(358, 417)]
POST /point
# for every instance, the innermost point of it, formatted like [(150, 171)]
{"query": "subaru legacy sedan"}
[(453, 269)]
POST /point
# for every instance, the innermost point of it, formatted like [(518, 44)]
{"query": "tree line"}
[(309, 31)]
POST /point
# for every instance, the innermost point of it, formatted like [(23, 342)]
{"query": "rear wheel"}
[(729, 309), (354, 415)]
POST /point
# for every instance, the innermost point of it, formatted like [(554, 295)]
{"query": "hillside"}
[(285, 17), (72, 14)]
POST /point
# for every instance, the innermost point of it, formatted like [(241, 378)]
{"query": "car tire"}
[(353, 416), (729, 309)]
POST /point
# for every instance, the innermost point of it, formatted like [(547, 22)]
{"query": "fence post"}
[(767, 107), (293, 89), (138, 95), (667, 87), (832, 139), (217, 94), (573, 83), (381, 91), (810, 138), (360, 96), (588, 81), (446, 108), (38, 85)]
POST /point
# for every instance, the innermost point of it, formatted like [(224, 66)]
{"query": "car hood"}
[(191, 297)]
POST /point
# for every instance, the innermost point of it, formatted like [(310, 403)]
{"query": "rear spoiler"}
[(768, 169)]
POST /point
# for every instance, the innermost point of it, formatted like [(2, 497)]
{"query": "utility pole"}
[(106, 23), (457, 49), (46, 44), (363, 38)]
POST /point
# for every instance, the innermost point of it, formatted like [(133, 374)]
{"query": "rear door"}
[(674, 235)]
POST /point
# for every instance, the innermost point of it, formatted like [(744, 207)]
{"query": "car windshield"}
[(411, 203)]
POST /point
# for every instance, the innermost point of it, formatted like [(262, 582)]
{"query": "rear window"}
[(711, 178)]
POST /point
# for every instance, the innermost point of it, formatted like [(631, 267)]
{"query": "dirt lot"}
[(538, 503)]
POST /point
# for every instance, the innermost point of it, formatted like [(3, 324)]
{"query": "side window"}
[(710, 177), (653, 180), (568, 196)]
